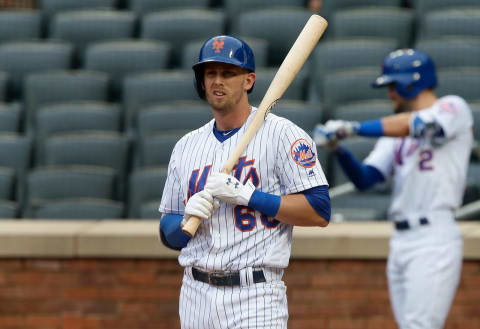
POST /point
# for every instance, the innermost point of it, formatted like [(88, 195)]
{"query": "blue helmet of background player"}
[(224, 49), (411, 71)]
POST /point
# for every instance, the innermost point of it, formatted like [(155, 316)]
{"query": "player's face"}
[(400, 104), (226, 85)]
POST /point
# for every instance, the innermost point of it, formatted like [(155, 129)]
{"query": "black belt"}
[(404, 225), (224, 279)]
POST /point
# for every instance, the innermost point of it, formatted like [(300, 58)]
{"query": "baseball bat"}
[(293, 62)]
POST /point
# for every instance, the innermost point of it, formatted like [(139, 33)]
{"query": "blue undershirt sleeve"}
[(370, 128), (171, 233), (319, 199), (266, 203), (362, 176)]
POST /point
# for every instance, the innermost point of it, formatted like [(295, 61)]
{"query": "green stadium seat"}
[(142, 90), (329, 7), (7, 184), (170, 26), (4, 84), (106, 148), (155, 150), (17, 25), (185, 114), (22, 58), (343, 87), (472, 188), (146, 187), (18, 149), (49, 88), (121, 58), (141, 7), (476, 119), (234, 8), (462, 81), (10, 117), (336, 55), (264, 76), (149, 210), (363, 110), (56, 183), (360, 206), (303, 114), (51, 7), (279, 26), (450, 22), (76, 117), (396, 23), (8, 209), (80, 209), (450, 52), (82, 27), (424, 6)]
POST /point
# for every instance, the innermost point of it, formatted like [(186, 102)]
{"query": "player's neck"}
[(234, 118), (424, 100)]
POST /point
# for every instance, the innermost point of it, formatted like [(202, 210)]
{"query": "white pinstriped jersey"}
[(281, 159), (426, 178)]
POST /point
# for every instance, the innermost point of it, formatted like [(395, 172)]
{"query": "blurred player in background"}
[(425, 147), (234, 264)]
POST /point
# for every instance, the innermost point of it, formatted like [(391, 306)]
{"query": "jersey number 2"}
[(426, 157), (245, 219)]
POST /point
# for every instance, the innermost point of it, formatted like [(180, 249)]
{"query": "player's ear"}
[(249, 80)]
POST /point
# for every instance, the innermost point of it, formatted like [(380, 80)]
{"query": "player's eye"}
[(210, 74), (229, 74)]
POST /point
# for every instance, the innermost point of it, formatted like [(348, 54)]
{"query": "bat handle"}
[(191, 226)]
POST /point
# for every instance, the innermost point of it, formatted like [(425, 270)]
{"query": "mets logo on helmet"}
[(218, 44), (302, 153)]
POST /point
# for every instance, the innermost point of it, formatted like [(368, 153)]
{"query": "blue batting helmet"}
[(224, 49), (411, 71)]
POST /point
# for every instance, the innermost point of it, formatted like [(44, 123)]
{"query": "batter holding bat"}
[(235, 261), (425, 147)]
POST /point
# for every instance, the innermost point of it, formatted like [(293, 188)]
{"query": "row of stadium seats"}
[(168, 28), (88, 172), (234, 7), (123, 62), (335, 93), (57, 121)]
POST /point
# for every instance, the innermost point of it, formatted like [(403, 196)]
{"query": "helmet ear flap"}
[(409, 87), (198, 81)]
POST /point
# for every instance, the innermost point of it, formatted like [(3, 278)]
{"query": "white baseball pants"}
[(250, 305)]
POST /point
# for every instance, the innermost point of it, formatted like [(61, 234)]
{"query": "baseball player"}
[(234, 264), (426, 153)]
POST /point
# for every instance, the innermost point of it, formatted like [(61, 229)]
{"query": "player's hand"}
[(200, 205), (227, 188), (333, 131)]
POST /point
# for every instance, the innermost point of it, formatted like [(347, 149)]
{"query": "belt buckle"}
[(214, 278)]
